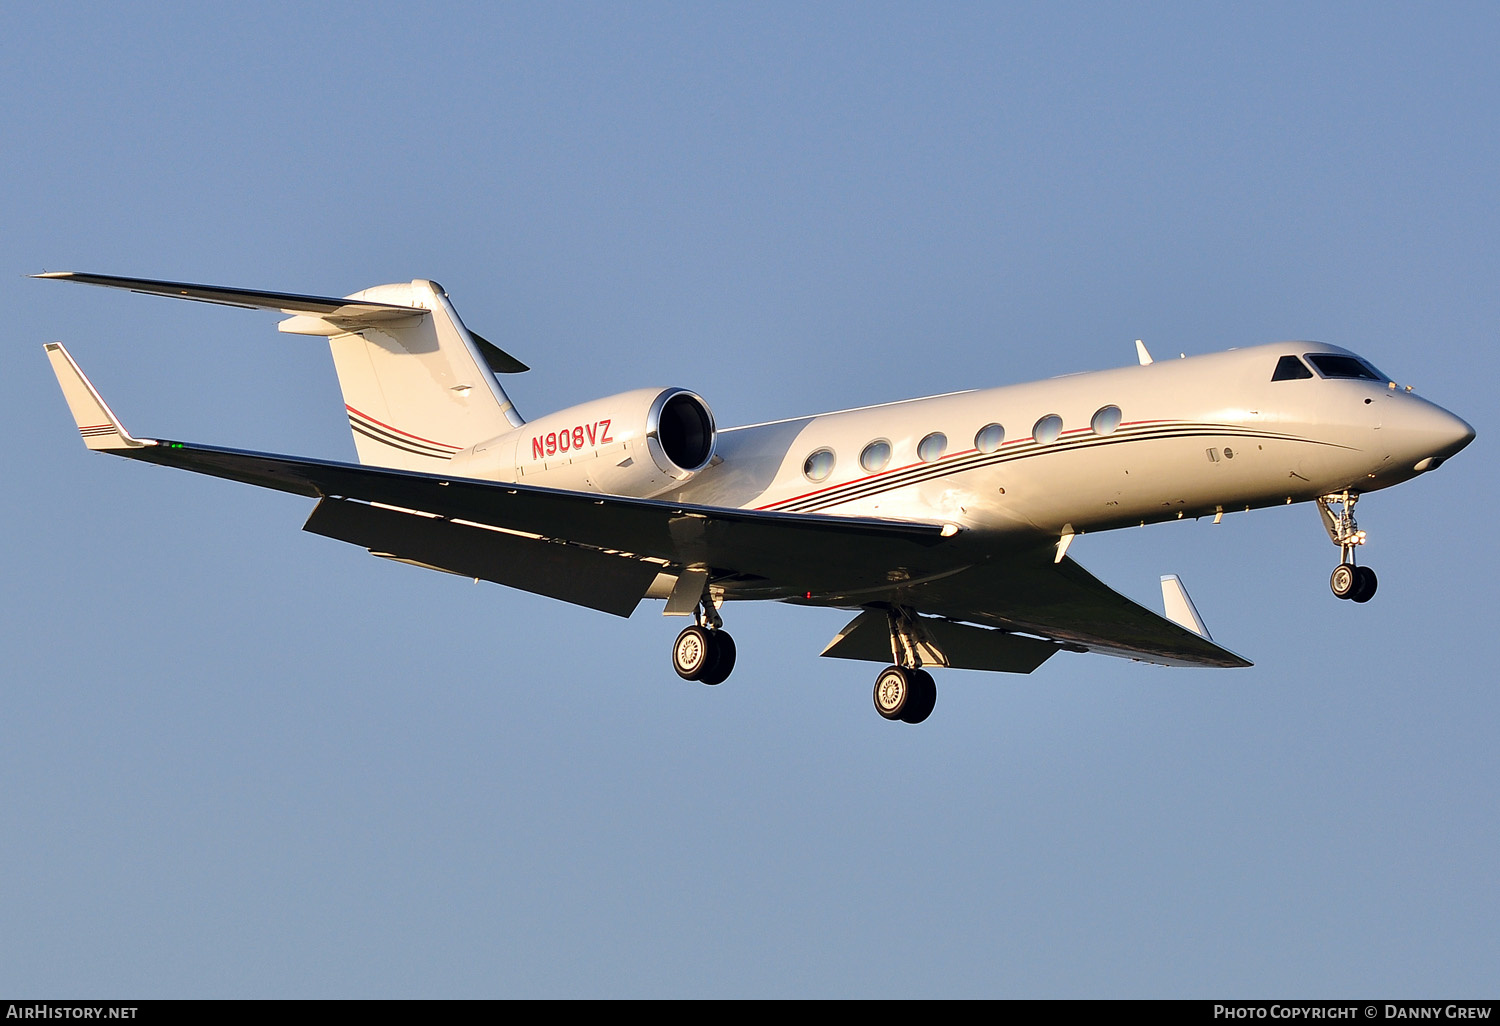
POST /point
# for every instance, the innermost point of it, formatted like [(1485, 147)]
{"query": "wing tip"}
[(1179, 606), (96, 422)]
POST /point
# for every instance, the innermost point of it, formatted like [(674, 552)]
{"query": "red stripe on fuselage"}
[(398, 431)]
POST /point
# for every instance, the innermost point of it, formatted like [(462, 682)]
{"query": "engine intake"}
[(683, 429)]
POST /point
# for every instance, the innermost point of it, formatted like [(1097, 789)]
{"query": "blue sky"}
[(240, 760)]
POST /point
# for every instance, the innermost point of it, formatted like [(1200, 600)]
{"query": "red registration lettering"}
[(574, 438)]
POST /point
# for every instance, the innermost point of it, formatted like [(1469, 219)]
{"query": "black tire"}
[(721, 658), (693, 653), (923, 697), (1343, 580), (892, 692), (1364, 584)]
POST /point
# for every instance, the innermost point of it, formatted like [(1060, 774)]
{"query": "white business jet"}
[(944, 522)]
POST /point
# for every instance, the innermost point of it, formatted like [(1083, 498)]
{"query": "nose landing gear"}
[(1348, 580)]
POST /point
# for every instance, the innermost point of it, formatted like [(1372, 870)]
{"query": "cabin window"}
[(819, 465), (1289, 368), (1047, 429), (875, 456), (1332, 365), (1106, 420), (989, 438), (931, 448)]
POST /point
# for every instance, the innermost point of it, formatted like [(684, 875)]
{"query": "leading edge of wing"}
[(801, 552), (249, 299), (773, 545)]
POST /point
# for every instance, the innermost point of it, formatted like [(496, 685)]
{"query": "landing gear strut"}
[(1348, 580), (704, 652), (905, 691)]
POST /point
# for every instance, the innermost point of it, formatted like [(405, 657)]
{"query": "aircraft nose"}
[(1437, 435)]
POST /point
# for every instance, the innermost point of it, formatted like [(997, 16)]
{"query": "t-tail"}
[(417, 388), (418, 385)]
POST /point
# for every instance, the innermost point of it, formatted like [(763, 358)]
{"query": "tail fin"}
[(418, 386), (417, 389)]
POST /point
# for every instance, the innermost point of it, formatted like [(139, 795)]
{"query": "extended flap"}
[(941, 643), (572, 573)]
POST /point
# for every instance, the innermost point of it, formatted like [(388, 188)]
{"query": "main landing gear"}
[(1348, 580), (905, 691), (705, 651)]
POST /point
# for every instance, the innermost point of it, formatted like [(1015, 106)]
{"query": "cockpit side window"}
[(1289, 368), (1332, 365)]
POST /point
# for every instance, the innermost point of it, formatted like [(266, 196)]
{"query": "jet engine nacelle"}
[(639, 443)]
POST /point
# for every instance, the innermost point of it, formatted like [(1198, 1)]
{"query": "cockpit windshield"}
[(1289, 368), (1333, 365)]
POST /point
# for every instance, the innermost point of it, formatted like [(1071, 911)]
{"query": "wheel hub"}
[(891, 691)]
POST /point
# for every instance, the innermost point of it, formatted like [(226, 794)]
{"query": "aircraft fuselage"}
[(1192, 437)]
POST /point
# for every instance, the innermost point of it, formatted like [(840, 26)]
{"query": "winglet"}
[(98, 425), (1179, 607), (1141, 354)]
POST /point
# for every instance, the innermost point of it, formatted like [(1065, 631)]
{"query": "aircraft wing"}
[(1066, 603), (619, 543), (979, 618), (605, 551), (778, 546)]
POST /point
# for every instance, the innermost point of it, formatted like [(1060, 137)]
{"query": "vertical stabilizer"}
[(416, 389)]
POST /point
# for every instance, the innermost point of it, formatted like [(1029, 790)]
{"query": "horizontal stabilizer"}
[(247, 299), (96, 422), (941, 643), (321, 315), (498, 359)]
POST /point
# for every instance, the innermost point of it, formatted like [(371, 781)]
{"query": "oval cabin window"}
[(1047, 429), (989, 438), (819, 465), (876, 456), (931, 448)]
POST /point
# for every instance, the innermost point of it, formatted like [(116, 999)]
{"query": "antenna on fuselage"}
[(1140, 352)]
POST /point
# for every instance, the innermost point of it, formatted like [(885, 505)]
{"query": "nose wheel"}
[(1348, 580), (1353, 582)]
